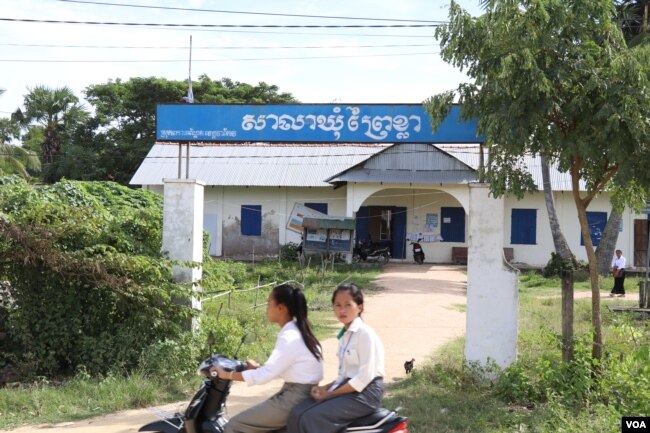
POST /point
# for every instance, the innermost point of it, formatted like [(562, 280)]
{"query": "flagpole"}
[(190, 94), (189, 99)]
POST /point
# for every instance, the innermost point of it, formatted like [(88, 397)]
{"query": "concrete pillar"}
[(182, 235), (350, 211), (220, 218), (492, 302)]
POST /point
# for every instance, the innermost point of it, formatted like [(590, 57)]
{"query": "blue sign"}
[(309, 123)]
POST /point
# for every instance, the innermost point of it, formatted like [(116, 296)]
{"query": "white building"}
[(396, 192)]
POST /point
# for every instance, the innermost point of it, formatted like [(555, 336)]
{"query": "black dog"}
[(408, 365)]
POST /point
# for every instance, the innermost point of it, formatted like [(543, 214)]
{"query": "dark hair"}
[(294, 299), (352, 289)]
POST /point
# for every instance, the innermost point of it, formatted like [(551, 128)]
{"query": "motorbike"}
[(205, 412), (371, 253), (418, 253)]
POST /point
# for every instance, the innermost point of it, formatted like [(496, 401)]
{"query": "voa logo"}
[(636, 424)]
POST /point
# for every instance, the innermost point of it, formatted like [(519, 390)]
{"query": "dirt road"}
[(415, 314)]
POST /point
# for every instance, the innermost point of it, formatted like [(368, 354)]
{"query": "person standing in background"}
[(618, 269)]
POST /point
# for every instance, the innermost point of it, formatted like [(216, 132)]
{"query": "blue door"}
[(398, 231), (453, 224), (361, 225)]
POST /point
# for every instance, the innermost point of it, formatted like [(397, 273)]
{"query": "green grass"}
[(445, 395), (84, 397)]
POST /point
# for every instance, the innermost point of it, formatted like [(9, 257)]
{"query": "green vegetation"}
[(167, 368), (109, 140), (537, 393), (91, 319)]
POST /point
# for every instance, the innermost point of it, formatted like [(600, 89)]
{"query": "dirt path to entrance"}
[(415, 314)]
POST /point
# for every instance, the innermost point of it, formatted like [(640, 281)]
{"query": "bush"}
[(290, 251), (556, 265), (89, 287), (620, 380)]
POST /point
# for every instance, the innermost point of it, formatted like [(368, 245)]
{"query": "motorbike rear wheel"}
[(383, 258), (419, 259)]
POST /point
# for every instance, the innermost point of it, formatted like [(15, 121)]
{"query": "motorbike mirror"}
[(247, 338), (210, 341)]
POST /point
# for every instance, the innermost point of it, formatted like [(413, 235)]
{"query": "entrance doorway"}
[(641, 228), (384, 225)]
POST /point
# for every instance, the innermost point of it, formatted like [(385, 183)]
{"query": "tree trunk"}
[(607, 246), (562, 248), (597, 342), (567, 315), (561, 245)]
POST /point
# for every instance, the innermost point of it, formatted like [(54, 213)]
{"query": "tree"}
[(58, 112), (113, 144), (633, 18), (554, 78), (14, 159)]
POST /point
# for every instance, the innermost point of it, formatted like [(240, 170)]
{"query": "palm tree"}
[(57, 111), (633, 18), (14, 159)]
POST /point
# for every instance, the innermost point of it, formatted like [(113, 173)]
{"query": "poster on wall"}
[(431, 222), (340, 240), (298, 213), (316, 239)]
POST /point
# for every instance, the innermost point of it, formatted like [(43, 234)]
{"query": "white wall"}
[(277, 203), (223, 208), (540, 253)]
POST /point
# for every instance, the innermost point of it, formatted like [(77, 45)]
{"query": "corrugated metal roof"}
[(410, 163), (253, 165), (299, 165), (469, 154)]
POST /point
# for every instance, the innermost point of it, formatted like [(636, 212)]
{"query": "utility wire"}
[(249, 13), (259, 47), (214, 60), (227, 26)]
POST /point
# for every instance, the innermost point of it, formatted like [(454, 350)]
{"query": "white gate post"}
[(492, 301), (182, 236)]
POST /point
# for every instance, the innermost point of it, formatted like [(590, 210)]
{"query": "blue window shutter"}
[(523, 226), (597, 222), (318, 207), (452, 228), (251, 220)]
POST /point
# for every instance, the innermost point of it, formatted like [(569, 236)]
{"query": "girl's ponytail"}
[(295, 300)]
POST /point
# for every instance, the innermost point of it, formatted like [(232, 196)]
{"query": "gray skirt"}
[(333, 415), (271, 414)]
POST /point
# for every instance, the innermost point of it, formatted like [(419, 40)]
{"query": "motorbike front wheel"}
[(383, 258), (356, 258)]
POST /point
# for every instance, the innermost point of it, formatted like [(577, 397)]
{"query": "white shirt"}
[(619, 262), (361, 355), (290, 361)]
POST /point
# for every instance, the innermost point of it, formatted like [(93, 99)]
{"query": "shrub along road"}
[(416, 312)]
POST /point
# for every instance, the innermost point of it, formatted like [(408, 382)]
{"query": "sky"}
[(315, 65)]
